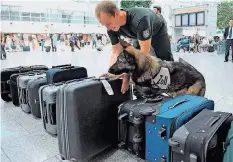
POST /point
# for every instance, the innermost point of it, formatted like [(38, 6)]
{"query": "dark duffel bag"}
[(211, 49), (48, 48), (87, 117), (6, 74), (26, 48)]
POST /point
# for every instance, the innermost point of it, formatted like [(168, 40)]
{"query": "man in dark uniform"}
[(136, 23)]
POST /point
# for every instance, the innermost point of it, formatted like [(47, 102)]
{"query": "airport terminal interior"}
[(67, 33)]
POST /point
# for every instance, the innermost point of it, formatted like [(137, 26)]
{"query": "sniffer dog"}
[(173, 78)]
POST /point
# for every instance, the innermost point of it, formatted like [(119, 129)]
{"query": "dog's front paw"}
[(108, 75)]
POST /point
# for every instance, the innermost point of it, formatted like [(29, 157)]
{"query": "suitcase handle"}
[(57, 66), (173, 144), (58, 84), (154, 100), (212, 121), (81, 79), (178, 103), (66, 67)]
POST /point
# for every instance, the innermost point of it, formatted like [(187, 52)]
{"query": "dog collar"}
[(162, 80)]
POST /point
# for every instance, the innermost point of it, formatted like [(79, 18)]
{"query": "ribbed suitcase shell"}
[(33, 95), (47, 97), (173, 114), (6, 74), (22, 82), (14, 87), (87, 118)]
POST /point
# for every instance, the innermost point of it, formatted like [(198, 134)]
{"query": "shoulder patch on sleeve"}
[(146, 33)]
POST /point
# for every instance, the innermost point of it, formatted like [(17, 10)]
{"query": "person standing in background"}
[(197, 41), (72, 42), (8, 43), (94, 40), (228, 35), (3, 52), (42, 43), (54, 42), (62, 42)]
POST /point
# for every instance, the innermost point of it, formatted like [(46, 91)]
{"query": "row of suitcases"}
[(90, 114)]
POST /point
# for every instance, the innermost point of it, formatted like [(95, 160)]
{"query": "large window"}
[(185, 20), (192, 19), (5, 15), (178, 20), (14, 16), (16, 13), (200, 18)]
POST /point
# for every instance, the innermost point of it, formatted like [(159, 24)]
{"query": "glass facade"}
[(14, 13)]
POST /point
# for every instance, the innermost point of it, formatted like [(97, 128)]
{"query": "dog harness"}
[(162, 80)]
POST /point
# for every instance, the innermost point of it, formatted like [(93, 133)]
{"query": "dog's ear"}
[(132, 51), (124, 44)]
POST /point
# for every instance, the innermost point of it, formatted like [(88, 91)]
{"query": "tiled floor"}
[(23, 138)]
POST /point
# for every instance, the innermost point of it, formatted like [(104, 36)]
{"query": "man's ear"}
[(124, 44)]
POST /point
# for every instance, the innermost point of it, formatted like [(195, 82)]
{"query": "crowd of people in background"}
[(197, 43), (51, 42)]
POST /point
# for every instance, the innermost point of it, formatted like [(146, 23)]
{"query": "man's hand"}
[(123, 76)]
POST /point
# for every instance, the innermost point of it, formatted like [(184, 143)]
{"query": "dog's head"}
[(126, 63)]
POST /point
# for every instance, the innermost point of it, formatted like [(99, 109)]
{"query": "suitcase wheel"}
[(137, 138), (138, 120), (173, 143)]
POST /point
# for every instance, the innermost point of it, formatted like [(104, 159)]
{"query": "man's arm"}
[(225, 33), (116, 47), (116, 50), (144, 34)]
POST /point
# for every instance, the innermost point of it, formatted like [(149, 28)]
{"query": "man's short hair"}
[(108, 7), (158, 8), (231, 18)]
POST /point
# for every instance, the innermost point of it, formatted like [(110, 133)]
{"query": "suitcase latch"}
[(163, 159), (163, 132)]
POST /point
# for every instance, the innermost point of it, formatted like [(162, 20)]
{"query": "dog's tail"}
[(202, 79), (186, 63)]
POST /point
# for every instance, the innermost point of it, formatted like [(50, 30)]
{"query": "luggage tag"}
[(107, 86)]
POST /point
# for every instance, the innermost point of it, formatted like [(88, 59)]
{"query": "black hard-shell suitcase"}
[(13, 85), (87, 117), (33, 95), (131, 122), (60, 74), (5, 77), (202, 138)]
